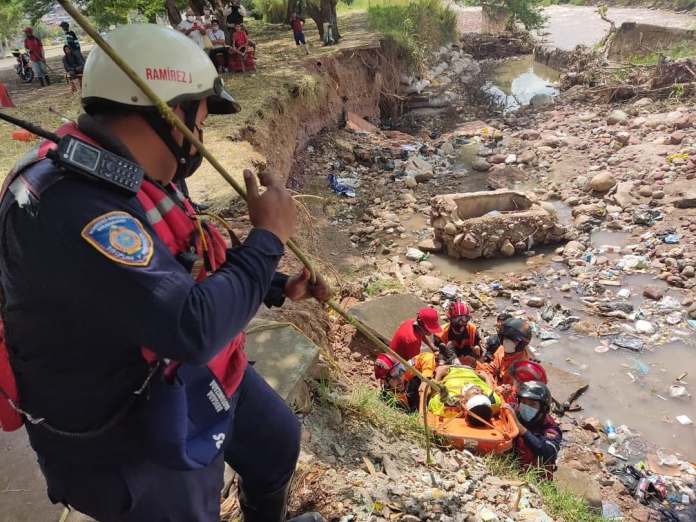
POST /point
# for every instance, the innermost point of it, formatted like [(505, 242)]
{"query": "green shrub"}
[(273, 11), (416, 27)]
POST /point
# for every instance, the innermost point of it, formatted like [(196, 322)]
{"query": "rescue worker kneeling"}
[(468, 395), (515, 336), (401, 383), (460, 340), (124, 313), (540, 437)]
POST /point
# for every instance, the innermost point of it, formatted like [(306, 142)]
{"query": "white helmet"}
[(171, 63)]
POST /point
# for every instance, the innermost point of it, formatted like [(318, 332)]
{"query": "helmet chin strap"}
[(182, 153)]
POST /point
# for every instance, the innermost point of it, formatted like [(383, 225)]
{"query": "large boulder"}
[(429, 283), (617, 117), (602, 182), (580, 484)]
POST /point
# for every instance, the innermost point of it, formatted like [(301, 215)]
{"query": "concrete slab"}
[(282, 355), (383, 315), (22, 486), (563, 384)]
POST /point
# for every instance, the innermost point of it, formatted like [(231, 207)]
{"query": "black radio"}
[(77, 155)]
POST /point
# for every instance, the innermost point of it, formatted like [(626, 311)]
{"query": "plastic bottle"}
[(609, 430)]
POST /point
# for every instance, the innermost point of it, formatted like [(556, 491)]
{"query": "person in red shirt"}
[(412, 333), (242, 50), (36, 55), (297, 25)]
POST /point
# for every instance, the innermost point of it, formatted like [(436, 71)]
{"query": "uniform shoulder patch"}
[(120, 237)]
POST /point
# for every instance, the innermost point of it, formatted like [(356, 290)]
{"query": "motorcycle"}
[(23, 66)]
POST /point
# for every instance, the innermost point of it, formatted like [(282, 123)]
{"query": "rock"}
[(653, 292), (496, 159), (551, 141), (573, 249), (535, 302), (447, 148), (417, 165), (423, 177), (408, 197), (643, 102), (530, 134), (645, 191), (591, 424), (429, 283), (624, 194), (531, 515), (486, 515), (644, 327), (686, 201), (527, 157), (411, 182), (623, 137), (579, 483), (481, 165), (688, 271), (541, 100), (617, 117), (414, 254), (429, 245), (677, 137), (510, 159), (602, 182), (450, 228), (507, 249)]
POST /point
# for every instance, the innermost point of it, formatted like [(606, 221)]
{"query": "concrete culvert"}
[(491, 224)]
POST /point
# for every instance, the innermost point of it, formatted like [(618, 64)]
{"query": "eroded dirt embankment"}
[(351, 80)]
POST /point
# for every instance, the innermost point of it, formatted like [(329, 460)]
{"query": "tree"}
[(324, 11), (526, 12), (10, 20)]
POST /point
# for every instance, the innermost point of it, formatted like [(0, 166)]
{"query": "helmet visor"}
[(221, 100)]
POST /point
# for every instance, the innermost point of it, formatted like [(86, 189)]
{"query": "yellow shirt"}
[(457, 378)]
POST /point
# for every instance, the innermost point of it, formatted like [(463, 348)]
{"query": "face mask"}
[(527, 412), (509, 345)]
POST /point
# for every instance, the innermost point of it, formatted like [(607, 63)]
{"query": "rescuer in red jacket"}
[(412, 333)]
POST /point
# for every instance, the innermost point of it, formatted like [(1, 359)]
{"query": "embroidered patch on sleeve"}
[(120, 237)]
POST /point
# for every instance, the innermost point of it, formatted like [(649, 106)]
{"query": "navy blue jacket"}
[(75, 320)]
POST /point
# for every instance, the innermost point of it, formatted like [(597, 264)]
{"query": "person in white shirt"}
[(219, 53), (192, 28)]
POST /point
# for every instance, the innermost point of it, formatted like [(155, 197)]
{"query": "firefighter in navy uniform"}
[(114, 301)]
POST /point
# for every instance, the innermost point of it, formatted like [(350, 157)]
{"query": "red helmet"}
[(384, 364), (458, 309), (525, 371), (28, 30)]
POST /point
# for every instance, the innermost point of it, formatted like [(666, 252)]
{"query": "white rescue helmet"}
[(170, 62)]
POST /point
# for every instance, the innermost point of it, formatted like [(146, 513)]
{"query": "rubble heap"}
[(490, 224)]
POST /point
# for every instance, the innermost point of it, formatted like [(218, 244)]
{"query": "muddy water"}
[(514, 82), (633, 389), (569, 26)]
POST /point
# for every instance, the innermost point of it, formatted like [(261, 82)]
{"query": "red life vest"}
[(175, 222)]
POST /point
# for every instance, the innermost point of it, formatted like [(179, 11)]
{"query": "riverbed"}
[(568, 26)]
